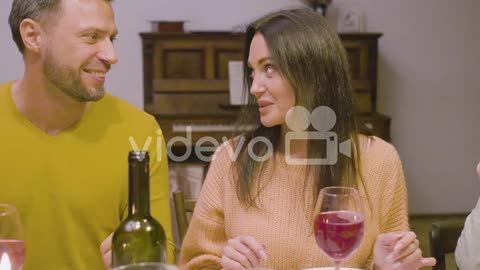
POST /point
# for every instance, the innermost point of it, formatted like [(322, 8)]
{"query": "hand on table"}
[(243, 252), (106, 250), (399, 250)]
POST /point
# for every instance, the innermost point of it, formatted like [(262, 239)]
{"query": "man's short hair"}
[(29, 9), (37, 10)]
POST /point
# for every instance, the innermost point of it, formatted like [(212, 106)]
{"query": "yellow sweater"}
[(283, 223), (72, 189)]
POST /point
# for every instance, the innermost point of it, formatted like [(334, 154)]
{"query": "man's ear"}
[(30, 32)]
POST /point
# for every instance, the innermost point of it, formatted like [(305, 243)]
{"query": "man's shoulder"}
[(121, 115), (5, 99), (120, 107), (110, 100), (4, 86)]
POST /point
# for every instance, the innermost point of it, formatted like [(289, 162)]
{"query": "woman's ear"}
[(30, 32)]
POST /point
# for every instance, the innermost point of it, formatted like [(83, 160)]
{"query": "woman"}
[(256, 210)]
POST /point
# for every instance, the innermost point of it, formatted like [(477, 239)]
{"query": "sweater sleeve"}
[(393, 214), (205, 238), (466, 253)]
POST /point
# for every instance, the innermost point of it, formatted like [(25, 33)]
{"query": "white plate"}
[(331, 268)]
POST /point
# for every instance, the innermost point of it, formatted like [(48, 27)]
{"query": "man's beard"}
[(69, 81)]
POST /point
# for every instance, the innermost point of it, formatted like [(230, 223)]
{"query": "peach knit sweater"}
[(284, 221)]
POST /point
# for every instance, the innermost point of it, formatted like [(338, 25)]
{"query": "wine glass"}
[(338, 223), (12, 248)]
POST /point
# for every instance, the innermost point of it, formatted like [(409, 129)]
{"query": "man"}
[(65, 142), (467, 253)]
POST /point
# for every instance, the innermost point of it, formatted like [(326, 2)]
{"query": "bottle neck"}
[(139, 188)]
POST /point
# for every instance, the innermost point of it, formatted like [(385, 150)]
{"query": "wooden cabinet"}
[(362, 53), (193, 65), (186, 77)]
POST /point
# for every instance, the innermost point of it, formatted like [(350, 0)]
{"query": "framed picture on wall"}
[(350, 19)]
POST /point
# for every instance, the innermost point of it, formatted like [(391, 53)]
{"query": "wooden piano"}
[(186, 82)]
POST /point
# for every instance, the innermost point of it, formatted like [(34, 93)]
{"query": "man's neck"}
[(48, 109)]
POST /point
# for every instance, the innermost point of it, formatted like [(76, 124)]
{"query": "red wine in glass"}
[(339, 233), (339, 222), (12, 248), (12, 252)]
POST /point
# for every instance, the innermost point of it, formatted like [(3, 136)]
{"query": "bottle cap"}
[(138, 156)]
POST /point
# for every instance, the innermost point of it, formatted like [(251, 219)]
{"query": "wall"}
[(428, 83), (428, 79)]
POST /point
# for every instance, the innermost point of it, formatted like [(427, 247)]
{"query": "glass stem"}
[(337, 266)]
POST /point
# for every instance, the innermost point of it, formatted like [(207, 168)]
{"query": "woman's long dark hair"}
[(311, 58)]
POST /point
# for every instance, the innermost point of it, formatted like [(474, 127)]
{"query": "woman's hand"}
[(399, 250), (242, 252), (106, 250)]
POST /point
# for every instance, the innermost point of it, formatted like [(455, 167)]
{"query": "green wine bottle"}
[(139, 238)]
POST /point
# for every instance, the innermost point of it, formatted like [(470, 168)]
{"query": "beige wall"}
[(429, 84), (428, 78)]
